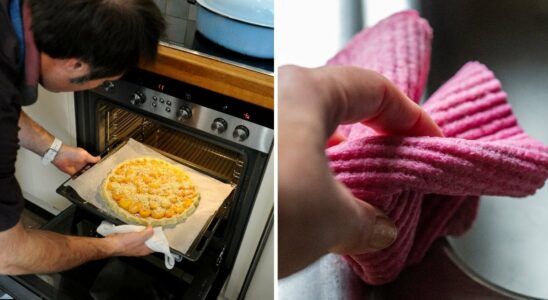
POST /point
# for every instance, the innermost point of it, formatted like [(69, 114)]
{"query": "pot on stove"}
[(244, 26)]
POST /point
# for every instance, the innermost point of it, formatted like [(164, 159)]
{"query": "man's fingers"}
[(355, 94), (87, 156), (93, 159), (362, 228), (147, 233), (380, 236)]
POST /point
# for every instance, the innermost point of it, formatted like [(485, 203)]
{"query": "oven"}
[(217, 135)]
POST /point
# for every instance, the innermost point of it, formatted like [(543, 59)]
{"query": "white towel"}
[(158, 242)]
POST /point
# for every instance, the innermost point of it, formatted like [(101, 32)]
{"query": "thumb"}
[(381, 235), (147, 233), (92, 159), (365, 228)]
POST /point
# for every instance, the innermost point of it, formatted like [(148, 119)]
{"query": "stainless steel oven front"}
[(220, 136)]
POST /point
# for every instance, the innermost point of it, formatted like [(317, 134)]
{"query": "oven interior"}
[(115, 124)]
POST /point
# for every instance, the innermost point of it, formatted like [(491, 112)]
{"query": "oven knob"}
[(108, 86), (184, 113), (137, 98), (240, 133), (219, 125)]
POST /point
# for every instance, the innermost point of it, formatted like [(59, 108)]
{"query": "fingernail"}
[(384, 233)]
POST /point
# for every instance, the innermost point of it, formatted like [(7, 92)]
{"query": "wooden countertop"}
[(240, 83)]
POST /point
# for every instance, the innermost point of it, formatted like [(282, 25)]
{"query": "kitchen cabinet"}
[(247, 85)]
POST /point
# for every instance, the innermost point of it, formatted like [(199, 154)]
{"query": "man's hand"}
[(130, 244), (70, 159), (27, 251), (35, 138), (316, 213)]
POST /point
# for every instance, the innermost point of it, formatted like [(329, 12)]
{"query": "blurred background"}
[(505, 254)]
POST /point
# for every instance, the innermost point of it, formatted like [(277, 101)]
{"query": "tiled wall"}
[(180, 18)]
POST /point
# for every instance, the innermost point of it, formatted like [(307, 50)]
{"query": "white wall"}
[(309, 32)]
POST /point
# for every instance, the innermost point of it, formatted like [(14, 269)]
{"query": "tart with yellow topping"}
[(150, 191)]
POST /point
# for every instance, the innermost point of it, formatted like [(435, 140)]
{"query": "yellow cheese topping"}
[(148, 187)]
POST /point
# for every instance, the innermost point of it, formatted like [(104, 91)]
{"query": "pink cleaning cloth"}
[(430, 186), (397, 47)]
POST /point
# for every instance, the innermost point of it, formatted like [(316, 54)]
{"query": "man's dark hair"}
[(111, 36)]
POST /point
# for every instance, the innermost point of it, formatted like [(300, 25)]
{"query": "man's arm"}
[(35, 138), (38, 251), (32, 136)]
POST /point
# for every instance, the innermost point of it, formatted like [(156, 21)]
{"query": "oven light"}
[(247, 116), (161, 87)]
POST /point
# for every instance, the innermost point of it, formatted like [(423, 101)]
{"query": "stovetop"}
[(196, 43)]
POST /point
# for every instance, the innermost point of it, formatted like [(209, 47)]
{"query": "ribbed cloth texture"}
[(430, 186), (397, 47)]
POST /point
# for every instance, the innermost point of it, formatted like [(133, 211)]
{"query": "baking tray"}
[(203, 238)]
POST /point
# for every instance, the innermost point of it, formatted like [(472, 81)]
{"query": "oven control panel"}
[(189, 113)]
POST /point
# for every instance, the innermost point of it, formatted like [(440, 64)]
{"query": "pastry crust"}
[(151, 191)]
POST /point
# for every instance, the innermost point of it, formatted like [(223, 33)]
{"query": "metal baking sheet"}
[(184, 236)]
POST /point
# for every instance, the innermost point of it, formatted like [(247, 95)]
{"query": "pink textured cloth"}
[(430, 186)]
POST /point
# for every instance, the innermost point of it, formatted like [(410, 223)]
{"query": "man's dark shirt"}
[(11, 198)]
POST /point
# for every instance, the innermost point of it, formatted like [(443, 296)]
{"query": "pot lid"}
[(257, 12)]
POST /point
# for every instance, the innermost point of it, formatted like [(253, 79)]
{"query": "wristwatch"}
[(52, 152)]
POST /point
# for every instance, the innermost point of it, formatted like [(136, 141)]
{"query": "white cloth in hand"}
[(158, 242)]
